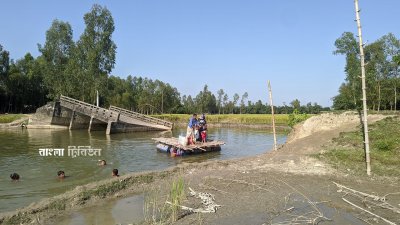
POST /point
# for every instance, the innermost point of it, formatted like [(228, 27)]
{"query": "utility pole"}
[(395, 90), (97, 98), (364, 94), (273, 115)]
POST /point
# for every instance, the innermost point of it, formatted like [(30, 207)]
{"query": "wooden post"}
[(272, 113), (364, 94)]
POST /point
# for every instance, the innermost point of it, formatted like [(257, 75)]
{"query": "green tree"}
[(295, 104), (206, 101), (381, 69), (242, 101), (56, 53), (259, 107), (396, 59), (25, 86), (95, 52), (347, 45), (225, 101), (235, 101), (392, 51), (4, 62), (220, 99), (4, 71), (190, 104), (376, 73)]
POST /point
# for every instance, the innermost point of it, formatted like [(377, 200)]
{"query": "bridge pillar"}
[(71, 122), (109, 127), (90, 123)]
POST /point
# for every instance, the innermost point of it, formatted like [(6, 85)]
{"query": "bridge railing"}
[(92, 108), (112, 112), (142, 117)]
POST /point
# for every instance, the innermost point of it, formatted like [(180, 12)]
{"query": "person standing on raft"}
[(203, 128), (190, 129)]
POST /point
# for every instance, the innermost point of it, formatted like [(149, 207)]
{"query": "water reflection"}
[(129, 152)]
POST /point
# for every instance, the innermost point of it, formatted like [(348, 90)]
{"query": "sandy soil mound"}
[(329, 122)]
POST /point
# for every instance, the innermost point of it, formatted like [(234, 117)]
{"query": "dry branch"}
[(188, 208), (207, 200), (299, 192), (377, 216), (375, 197), (313, 217), (364, 197)]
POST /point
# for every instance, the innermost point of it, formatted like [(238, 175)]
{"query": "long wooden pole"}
[(272, 113), (97, 98), (364, 94)]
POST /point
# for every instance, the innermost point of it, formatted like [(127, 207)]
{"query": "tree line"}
[(76, 69), (79, 69), (382, 58)]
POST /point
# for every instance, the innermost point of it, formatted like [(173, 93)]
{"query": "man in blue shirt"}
[(191, 126)]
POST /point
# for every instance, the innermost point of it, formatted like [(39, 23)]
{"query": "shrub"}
[(296, 118)]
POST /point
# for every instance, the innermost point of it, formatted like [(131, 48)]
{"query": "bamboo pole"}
[(272, 113), (364, 94)]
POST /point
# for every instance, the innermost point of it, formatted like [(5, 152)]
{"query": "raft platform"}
[(172, 146)]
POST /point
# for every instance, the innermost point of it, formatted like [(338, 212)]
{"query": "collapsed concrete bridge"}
[(76, 114)]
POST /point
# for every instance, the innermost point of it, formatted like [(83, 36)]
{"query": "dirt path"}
[(283, 187)]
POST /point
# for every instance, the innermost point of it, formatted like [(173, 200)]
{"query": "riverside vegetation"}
[(8, 118), (346, 152)]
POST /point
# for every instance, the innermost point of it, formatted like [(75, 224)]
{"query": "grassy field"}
[(280, 119), (347, 151), (8, 118)]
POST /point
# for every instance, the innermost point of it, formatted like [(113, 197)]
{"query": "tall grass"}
[(177, 195), (8, 118), (157, 211), (280, 119), (154, 211)]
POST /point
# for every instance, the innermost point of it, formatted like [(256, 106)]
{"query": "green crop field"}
[(280, 119)]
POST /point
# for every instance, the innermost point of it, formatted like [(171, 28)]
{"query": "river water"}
[(128, 152)]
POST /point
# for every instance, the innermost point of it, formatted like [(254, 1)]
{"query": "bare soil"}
[(287, 186)]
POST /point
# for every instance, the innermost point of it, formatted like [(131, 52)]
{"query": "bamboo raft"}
[(172, 146)]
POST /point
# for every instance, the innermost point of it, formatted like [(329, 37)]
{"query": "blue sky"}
[(229, 44)]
